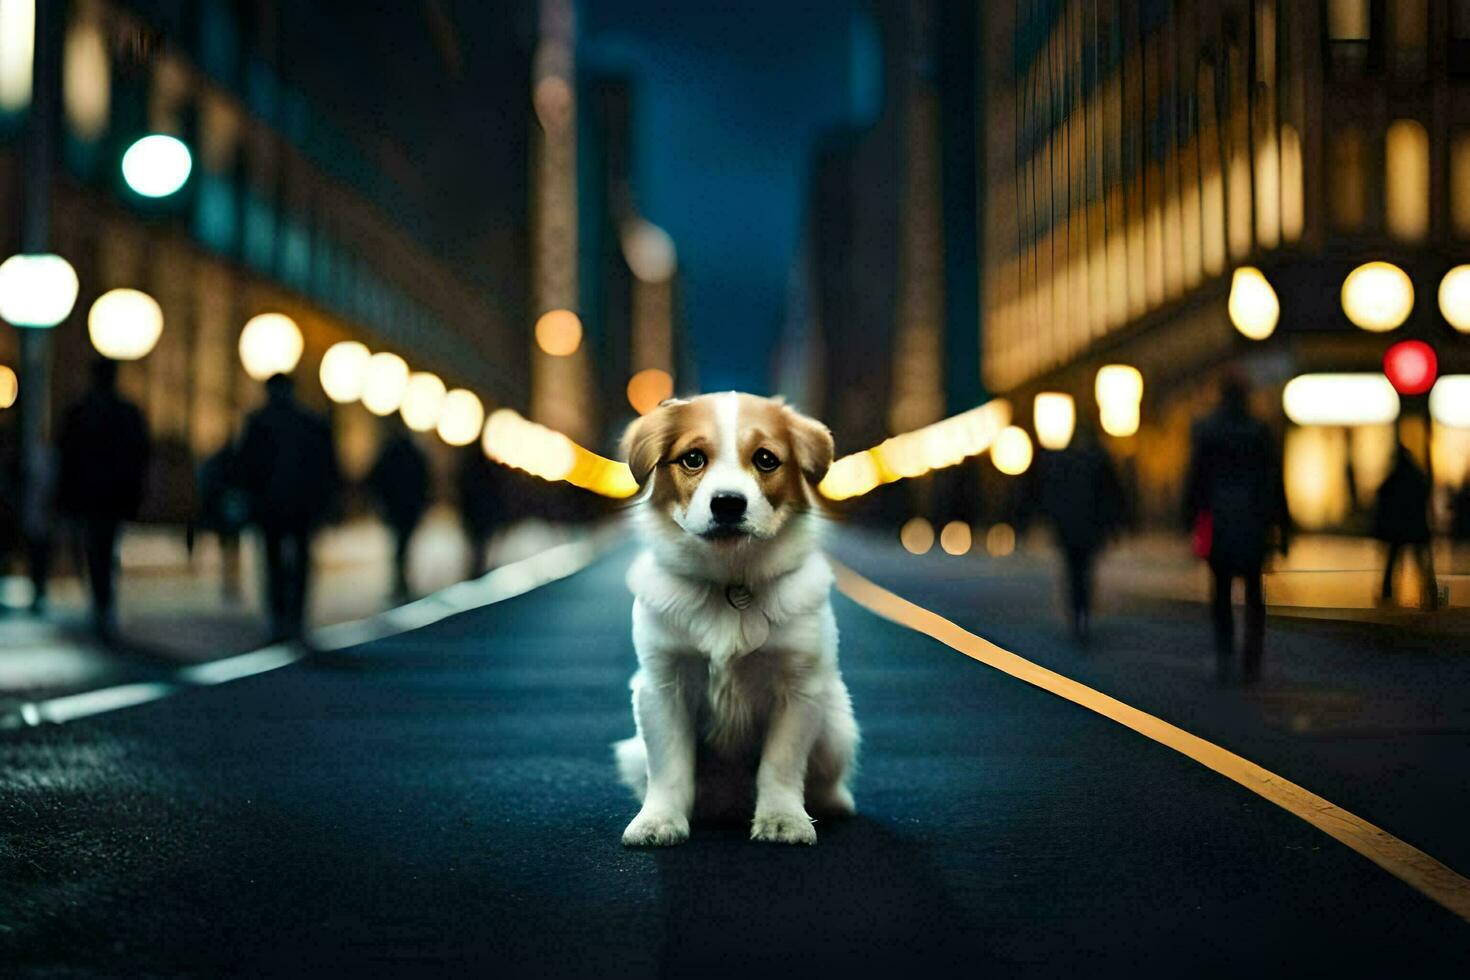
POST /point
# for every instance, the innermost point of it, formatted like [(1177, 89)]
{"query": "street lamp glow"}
[(649, 251), (1449, 402), (956, 538), (1377, 296), (1340, 400), (462, 417), (1011, 452), (270, 344), (343, 370), (384, 383), (1253, 306), (9, 386), (1454, 297), (559, 332), (157, 165), (125, 324), (423, 401), (37, 290), (916, 536), (647, 388), (1119, 390), (1055, 415)]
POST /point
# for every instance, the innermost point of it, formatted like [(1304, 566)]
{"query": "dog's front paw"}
[(658, 828), (783, 828)]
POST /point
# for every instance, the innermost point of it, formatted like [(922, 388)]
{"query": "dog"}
[(739, 706)]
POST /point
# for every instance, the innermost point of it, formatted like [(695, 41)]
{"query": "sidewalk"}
[(173, 614)]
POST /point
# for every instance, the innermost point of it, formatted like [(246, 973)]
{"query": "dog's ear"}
[(647, 439), (812, 443)]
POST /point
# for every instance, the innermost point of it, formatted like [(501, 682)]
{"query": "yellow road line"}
[(1421, 872)]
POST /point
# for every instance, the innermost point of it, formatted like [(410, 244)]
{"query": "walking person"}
[(1235, 506), (478, 487), (225, 510), (1078, 492), (400, 482), (1401, 521), (289, 470), (103, 447)]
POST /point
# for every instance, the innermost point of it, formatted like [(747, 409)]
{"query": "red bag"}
[(1203, 536)]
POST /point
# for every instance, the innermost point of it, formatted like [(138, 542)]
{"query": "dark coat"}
[(103, 447), (480, 488), (288, 466), (1077, 491), (400, 481), (1401, 512), (1235, 477)]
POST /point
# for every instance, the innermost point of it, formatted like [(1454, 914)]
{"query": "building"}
[(1139, 153), (306, 196)]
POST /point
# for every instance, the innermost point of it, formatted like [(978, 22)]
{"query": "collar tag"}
[(739, 597)]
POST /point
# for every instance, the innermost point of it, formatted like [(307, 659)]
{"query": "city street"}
[(444, 799)]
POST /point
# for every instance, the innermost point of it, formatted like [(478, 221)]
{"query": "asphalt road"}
[(446, 802)]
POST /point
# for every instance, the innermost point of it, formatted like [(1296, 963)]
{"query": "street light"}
[(1449, 402), (1340, 400), (125, 324), (1253, 306), (1011, 451), (342, 372), (37, 290), (1119, 390), (384, 383), (559, 332), (462, 418), (9, 386), (1377, 296), (270, 344), (1454, 297), (649, 251), (423, 401), (157, 165), (1055, 415), (647, 388)]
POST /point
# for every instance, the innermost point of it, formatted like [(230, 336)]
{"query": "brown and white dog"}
[(738, 701)]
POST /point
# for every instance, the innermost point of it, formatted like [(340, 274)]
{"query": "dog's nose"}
[(728, 508)]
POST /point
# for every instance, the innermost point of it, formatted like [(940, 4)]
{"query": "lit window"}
[(1460, 183), (1406, 180), (1348, 20), (86, 79), (17, 48), (1293, 215)]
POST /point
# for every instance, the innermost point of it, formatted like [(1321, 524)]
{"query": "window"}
[(1406, 180), (1351, 47), (1348, 178), (1460, 183), (17, 47), (86, 84)]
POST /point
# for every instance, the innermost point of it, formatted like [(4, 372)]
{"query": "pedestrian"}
[(1401, 520), (400, 482), (103, 447), (1460, 514), (1078, 493), (289, 470), (479, 484), (225, 510), (1235, 507)]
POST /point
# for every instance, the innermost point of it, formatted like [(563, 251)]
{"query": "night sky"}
[(729, 101)]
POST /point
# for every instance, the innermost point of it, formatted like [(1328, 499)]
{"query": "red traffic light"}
[(1411, 367)]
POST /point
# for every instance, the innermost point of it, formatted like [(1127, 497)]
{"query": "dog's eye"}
[(692, 460), (765, 460)]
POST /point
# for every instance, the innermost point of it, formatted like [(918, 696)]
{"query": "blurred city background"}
[(1001, 249)]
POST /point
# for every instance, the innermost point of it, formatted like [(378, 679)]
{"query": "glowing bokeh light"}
[(1449, 402), (1011, 453), (1340, 400), (423, 400), (37, 290), (942, 444), (125, 324), (270, 344), (649, 387), (462, 417), (17, 53), (1377, 296), (1253, 306), (157, 165), (1000, 540), (1119, 391), (9, 386), (343, 371), (649, 251), (1454, 297), (956, 538), (1410, 366), (559, 332), (916, 536), (384, 383), (1055, 415)]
